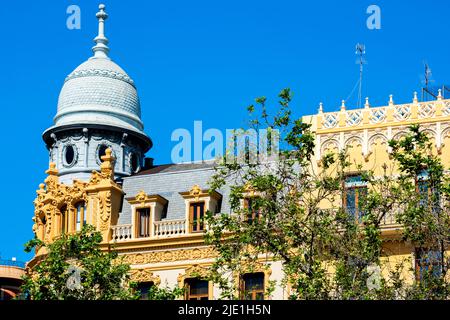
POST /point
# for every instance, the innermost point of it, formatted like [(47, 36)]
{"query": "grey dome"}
[(99, 92)]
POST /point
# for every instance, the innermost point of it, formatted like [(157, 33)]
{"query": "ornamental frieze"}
[(169, 256), (144, 275)]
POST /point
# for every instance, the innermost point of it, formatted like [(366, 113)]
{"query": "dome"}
[(99, 92)]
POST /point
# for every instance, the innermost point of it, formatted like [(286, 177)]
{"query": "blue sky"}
[(201, 60)]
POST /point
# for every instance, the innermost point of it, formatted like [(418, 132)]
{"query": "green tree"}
[(327, 253), (76, 267)]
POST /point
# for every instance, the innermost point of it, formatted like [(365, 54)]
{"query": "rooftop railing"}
[(12, 263)]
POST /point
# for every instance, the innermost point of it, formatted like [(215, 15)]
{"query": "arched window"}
[(80, 215), (44, 226), (101, 151), (64, 219), (134, 162)]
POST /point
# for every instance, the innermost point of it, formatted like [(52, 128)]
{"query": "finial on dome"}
[(391, 100), (343, 105), (101, 48), (367, 104), (321, 107)]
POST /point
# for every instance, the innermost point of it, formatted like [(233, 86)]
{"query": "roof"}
[(170, 168)]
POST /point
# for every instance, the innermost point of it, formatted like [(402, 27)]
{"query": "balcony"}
[(161, 229)]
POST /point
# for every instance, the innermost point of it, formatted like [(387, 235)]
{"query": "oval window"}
[(134, 162), (69, 155), (102, 151)]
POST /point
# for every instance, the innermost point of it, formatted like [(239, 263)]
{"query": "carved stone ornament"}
[(170, 256), (194, 271), (144, 275), (195, 191)]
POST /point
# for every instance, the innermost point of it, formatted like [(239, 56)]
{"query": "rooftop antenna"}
[(426, 80), (360, 51)]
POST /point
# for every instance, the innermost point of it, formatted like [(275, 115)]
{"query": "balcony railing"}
[(12, 263), (174, 228), (166, 228), (122, 232), (169, 228)]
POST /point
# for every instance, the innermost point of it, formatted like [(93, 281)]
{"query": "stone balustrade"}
[(166, 228), (122, 232), (169, 228)]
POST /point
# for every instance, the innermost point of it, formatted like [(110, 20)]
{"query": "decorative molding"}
[(142, 199), (196, 193), (144, 275), (194, 271), (170, 256), (101, 194), (100, 73)]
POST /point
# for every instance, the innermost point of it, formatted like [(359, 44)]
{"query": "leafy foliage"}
[(101, 273), (326, 251)]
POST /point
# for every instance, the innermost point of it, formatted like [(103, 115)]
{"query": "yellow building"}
[(152, 214), (364, 134)]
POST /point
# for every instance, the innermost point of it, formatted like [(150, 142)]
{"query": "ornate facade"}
[(97, 174)]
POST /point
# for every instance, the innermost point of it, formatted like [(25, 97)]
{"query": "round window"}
[(102, 151), (134, 162), (69, 155)]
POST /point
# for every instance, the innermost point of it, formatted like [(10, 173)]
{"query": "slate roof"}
[(168, 181)]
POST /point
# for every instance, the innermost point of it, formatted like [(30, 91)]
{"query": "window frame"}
[(242, 283), (80, 215), (144, 296), (247, 204), (187, 286), (200, 222), (358, 214), (138, 214), (419, 264)]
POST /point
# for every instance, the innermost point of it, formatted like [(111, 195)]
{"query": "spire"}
[(367, 104), (391, 100), (101, 48)]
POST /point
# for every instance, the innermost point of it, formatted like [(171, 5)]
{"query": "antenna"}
[(360, 51), (427, 75), (427, 80)]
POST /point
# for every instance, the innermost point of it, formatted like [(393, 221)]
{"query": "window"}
[(196, 215), (144, 288), (44, 226), (354, 194), (143, 218), (80, 215), (134, 162), (102, 151), (64, 219), (426, 192), (252, 213), (428, 262), (252, 286), (196, 289), (69, 155)]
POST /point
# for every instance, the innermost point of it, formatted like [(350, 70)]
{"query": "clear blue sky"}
[(201, 60)]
